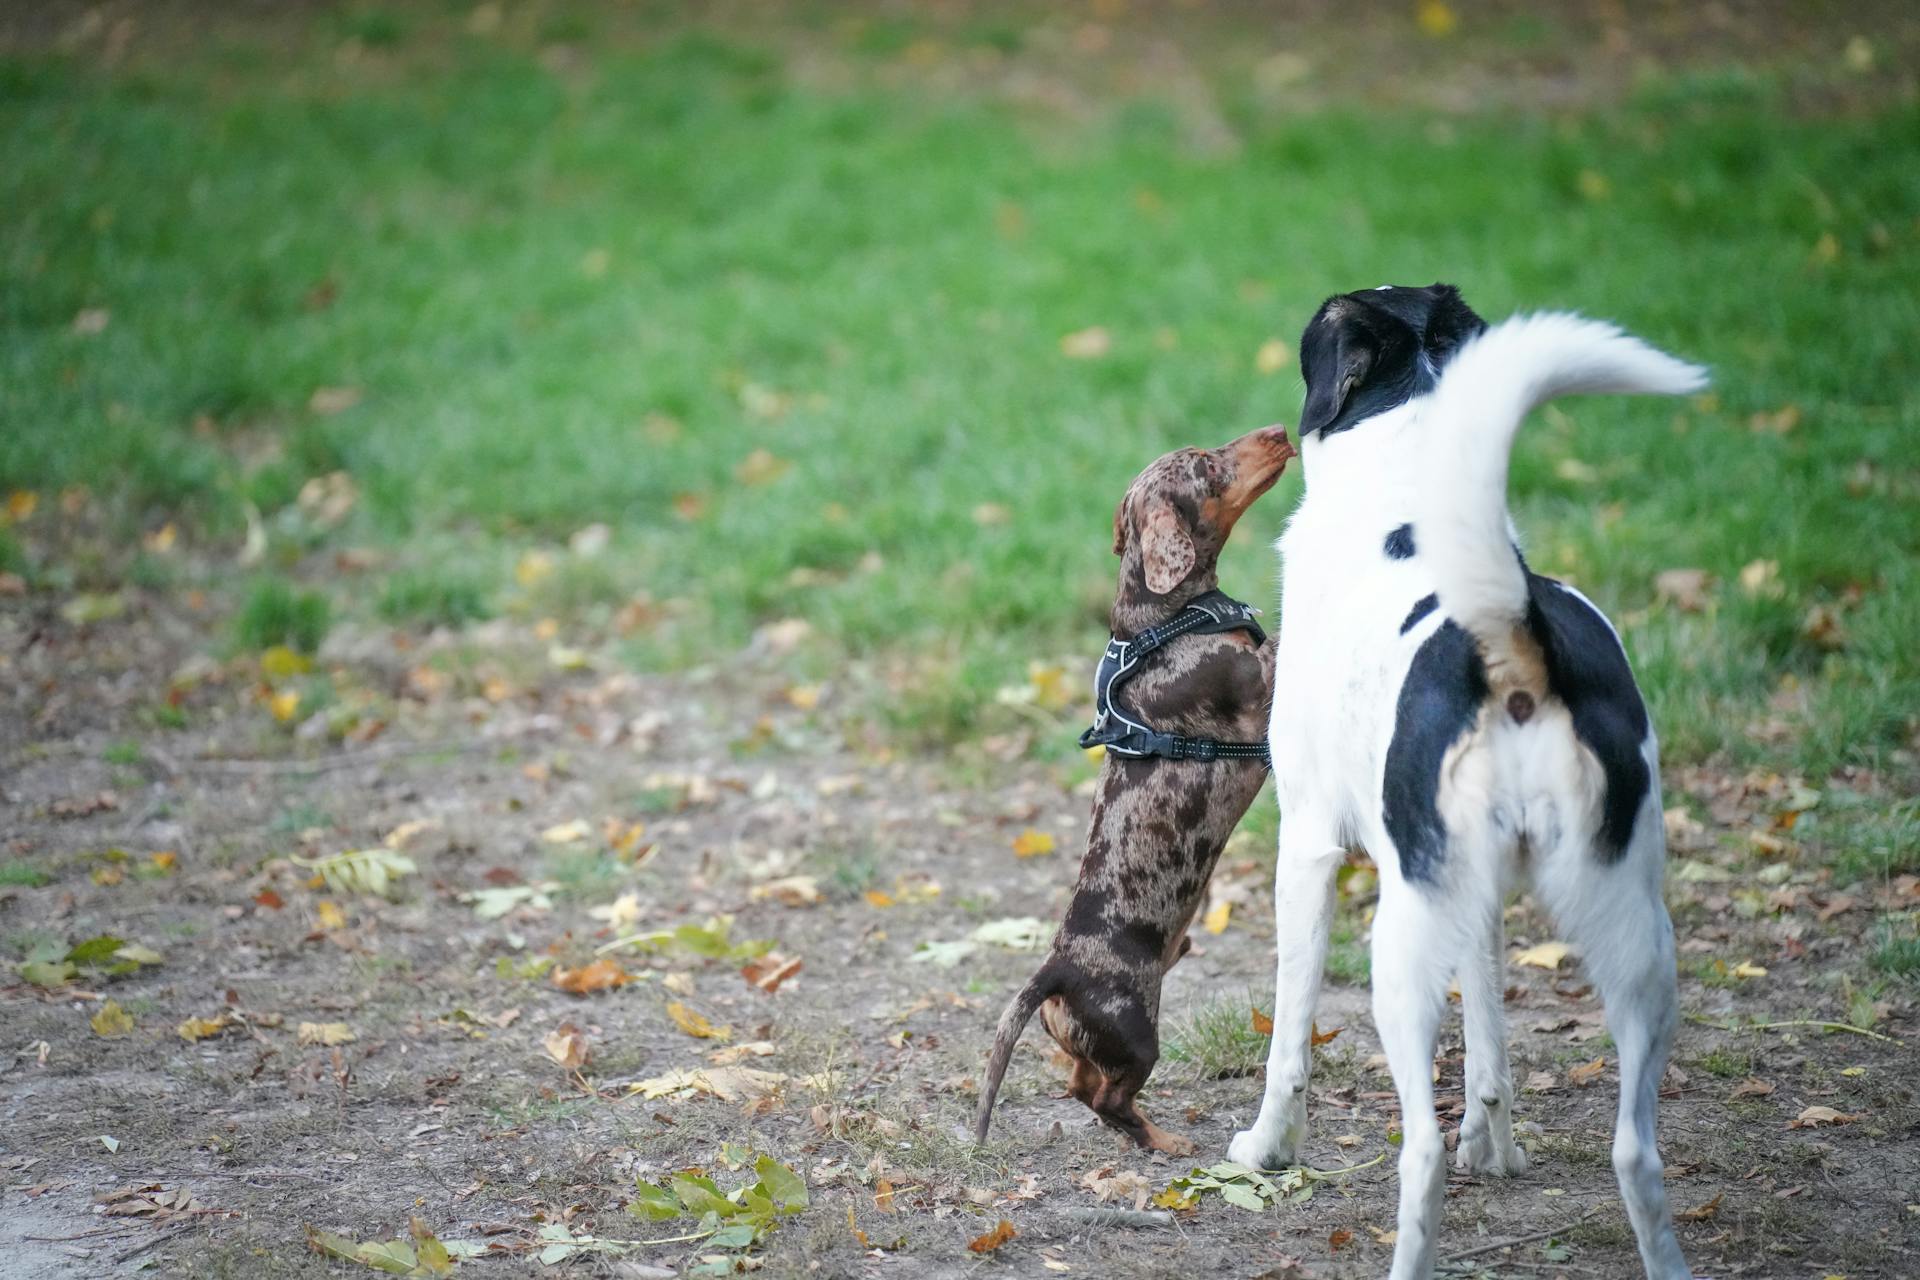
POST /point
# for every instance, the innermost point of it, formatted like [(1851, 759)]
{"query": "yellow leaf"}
[(326, 1033), (331, 916), (567, 832), (284, 704), (1436, 18), (1272, 357), (793, 891), (200, 1028), (1097, 752), (161, 540), (1051, 688), (163, 861), (1032, 843), (1547, 955), (695, 1024), (20, 505), (1593, 184), (1748, 969), (804, 697), (1826, 249), (111, 1021), (108, 876), (621, 912), (878, 898), (1217, 916), (532, 568), (1086, 344), (1814, 1117)]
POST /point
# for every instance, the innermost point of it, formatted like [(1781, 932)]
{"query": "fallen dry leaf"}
[(1684, 589), (769, 971), (1748, 969), (1215, 921), (1262, 1024), (111, 1021), (883, 1196), (566, 1044), (1586, 1073), (792, 891), (993, 1239), (1339, 1239), (1814, 1117), (1032, 843), (1701, 1212), (201, 1028), (603, 974), (1320, 1037), (326, 1033), (737, 1053), (695, 1024), (1086, 344), (1547, 955), (567, 832), (760, 467), (1752, 1088), (729, 1084)]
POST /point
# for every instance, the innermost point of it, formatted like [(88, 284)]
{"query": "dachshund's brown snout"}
[(1256, 460)]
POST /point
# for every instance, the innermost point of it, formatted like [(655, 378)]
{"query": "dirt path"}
[(445, 1106)]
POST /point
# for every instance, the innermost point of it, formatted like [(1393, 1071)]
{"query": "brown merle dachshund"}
[(1158, 824)]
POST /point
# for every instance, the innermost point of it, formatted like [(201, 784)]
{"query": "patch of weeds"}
[(850, 873), (275, 613), (433, 600), (1875, 844), (1217, 1040), (297, 817), (578, 584), (1896, 955), (164, 715), (586, 873), (1349, 961), (152, 573), (123, 753), (16, 873), (13, 556), (1727, 1063)]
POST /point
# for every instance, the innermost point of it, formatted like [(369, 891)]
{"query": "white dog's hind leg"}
[(1302, 913), (1414, 950), (1486, 1134)]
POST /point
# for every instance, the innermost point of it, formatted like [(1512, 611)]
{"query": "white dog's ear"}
[(1166, 548)]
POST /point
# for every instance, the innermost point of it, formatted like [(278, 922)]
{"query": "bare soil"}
[(436, 1111)]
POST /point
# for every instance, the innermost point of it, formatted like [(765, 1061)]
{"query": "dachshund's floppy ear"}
[(1336, 354), (1166, 548)]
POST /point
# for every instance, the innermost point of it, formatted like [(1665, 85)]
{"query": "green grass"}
[(274, 613), (16, 874), (434, 598), (567, 298), (1216, 1039)]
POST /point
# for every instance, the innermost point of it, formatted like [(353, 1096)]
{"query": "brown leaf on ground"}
[(1684, 589), (566, 1044), (769, 971), (1339, 1239), (993, 1239), (1814, 1117), (1701, 1212), (602, 975), (1586, 1073), (1752, 1088), (1262, 1024), (326, 1033), (883, 1197), (1320, 1037), (792, 891)]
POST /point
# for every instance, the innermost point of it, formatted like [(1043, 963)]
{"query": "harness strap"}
[(1124, 735)]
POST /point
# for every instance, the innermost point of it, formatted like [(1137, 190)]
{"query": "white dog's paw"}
[(1255, 1150), (1480, 1153)]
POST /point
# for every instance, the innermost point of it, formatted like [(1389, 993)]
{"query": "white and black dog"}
[(1466, 721)]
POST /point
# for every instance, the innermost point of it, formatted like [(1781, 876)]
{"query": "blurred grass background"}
[(865, 315)]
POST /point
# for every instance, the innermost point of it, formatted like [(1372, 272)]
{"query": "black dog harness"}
[(1123, 735)]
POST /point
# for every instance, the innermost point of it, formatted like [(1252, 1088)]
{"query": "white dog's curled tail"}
[(1462, 533)]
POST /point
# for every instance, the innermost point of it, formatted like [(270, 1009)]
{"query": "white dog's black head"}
[(1363, 353)]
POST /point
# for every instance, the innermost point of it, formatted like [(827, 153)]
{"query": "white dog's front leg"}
[(1302, 915)]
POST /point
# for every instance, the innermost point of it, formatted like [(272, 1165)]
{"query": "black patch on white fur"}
[(1425, 605), (1400, 543), (1439, 701), (1363, 353), (1587, 669)]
